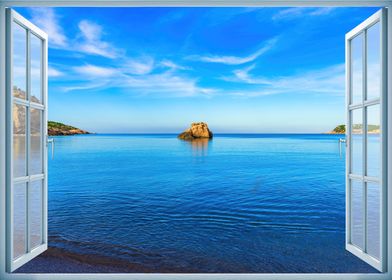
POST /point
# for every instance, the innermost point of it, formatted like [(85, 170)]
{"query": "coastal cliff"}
[(57, 128), (19, 119)]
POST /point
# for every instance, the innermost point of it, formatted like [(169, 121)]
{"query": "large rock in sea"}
[(196, 131)]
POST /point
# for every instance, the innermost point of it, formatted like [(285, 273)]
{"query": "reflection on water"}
[(199, 146), (19, 219), (373, 194), (19, 140), (32, 191), (19, 156)]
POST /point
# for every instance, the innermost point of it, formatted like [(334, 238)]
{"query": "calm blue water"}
[(238, 203)]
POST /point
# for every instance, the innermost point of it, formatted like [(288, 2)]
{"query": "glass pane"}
[(356, 142), (373, 62), (36, 68), (19, 141), (356, 69), (19, 219), (36, 143), (374, 141), (374, 217), (357, 213), (19, 61), (36, 213)]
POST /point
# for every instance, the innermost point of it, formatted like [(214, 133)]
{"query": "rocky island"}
[(198, 130), (57, 128)]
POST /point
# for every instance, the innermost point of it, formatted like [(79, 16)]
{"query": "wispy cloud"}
[(168, 83), (139, 66), (86, 86), (329, 80), (170, 64), (88, 41), (53, 72), (92, 43), (236, 60), (95, 71), (322, 11), (242, 75), (295, 13), (47, 20)]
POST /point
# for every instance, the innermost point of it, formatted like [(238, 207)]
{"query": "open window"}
[(26, 151), (366, 185), (366, 139)]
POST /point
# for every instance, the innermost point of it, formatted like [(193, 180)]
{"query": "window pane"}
[(374, 141), (356, 69), (19, 219), (36, 143), (19, 61), (373, 62), (357, 213), (36, 213), (19, 141), (36, 67), (373, 217), (356, 142)]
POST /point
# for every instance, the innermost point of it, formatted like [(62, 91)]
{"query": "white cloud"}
[(295, 13), (170, 64), (92, 43), (140, 66), (46, 19), (166, 84), (85, 86), (329, 80), (243, 75), (322, 11), (89, 40), (52, 72), (95, 71), (235, 60)]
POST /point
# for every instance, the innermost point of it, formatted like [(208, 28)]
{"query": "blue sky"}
[(257, 70)]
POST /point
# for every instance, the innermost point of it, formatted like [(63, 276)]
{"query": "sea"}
[(238, 203)]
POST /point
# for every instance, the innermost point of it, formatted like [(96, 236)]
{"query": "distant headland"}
[(57, 128), (357, 129), (340, 129)]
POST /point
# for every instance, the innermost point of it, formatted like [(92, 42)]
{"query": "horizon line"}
[(217, 133)]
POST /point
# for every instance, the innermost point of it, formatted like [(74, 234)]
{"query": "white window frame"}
[(183, 3), (379, 17), (31, 30)]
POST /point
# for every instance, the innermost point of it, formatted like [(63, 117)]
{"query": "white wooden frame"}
[(232, 3), (31, 30), (378, 17)]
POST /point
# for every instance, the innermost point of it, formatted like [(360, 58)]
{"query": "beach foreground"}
[(283, 254)]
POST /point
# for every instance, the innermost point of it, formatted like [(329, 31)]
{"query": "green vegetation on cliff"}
[(340, 129), (57, 128), (356, 128)]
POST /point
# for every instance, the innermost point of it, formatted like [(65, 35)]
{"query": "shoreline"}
[(56, 260), (59, 260)]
